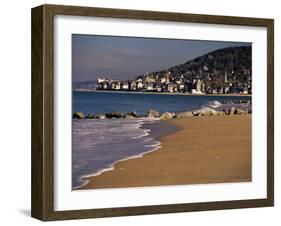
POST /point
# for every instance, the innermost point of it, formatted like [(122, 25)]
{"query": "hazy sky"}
[(126, 57)]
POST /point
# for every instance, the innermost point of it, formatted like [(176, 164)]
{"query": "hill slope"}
[(233, 63)]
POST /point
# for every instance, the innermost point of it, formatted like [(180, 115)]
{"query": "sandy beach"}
[(209, 149)]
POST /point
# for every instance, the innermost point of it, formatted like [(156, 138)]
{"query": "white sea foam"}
[(207, 109), (111, 167), (146, 133), (99, 144), (214, 104), (218, 106)]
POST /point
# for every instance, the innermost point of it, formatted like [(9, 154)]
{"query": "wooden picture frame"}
[(43, 108)]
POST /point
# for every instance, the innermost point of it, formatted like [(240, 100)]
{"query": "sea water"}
[(103, 102)]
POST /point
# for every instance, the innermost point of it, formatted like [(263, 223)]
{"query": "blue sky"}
[(126, 57)]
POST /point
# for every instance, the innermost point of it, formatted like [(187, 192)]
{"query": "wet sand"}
[(209, 149)]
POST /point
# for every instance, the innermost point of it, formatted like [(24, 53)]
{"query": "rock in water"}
[(133, 114), (90, 116), (241, 112), (78, 115), (114, 114), (100, 116), (226, 112), (152, 114), (207, 113), (129, 117), (232, 111), (197, 113), (166, 116), (220, 113), (184, 114), (214, 112)]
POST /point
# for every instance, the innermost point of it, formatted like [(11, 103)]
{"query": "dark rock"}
[(152, 114), (100, 116), (184, 114), (90, 116), (232, 111), (243, 101), (133, 114), (241, 112), (78, 115), (226, 111), (166, 116), (115, 114), (129, 117), (214, 112), (197, 113), (208, 112), (220, 113)]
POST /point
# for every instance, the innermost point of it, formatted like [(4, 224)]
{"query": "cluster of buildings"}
[(173, 84)]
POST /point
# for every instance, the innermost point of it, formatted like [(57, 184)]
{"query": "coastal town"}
[(175, 84), (224, 71)]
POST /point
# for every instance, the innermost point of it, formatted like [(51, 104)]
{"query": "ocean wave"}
[(218, 106), (99, 144), (110, 167), (214, 104), (207, 109), (146, 133)]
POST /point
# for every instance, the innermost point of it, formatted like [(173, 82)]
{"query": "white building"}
[(100, 80), (140, 85), (195, 91), (163, 80), (118, 86), (125, 86), (149, 87)]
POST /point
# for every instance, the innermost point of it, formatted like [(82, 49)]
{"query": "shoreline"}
[(112, 167), (160, 128), (169, 164), (163, 93), (156, 132)]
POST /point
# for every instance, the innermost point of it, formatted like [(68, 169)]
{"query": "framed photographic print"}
[(141, 112)]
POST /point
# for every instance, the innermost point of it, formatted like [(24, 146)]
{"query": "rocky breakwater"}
[(164, 116)]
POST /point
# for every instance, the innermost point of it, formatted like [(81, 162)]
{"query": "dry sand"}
[(209, 149)]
